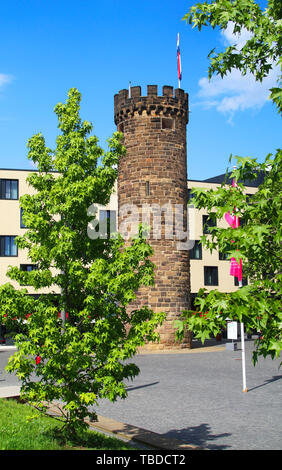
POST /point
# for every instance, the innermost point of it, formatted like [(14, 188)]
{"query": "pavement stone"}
[(198, 398)]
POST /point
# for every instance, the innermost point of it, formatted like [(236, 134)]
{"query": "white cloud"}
[(4, 78), (236, 92), (239, 38)]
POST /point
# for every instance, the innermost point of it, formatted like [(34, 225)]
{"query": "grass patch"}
[(24, 428)]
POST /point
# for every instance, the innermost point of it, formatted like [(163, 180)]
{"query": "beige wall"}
[(113, 204), (10, 225), (10, 222), (225, 281)]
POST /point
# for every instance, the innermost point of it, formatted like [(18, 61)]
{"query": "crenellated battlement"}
[(170, 103)]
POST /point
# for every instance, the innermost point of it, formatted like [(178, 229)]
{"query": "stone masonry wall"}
[(153, 177)]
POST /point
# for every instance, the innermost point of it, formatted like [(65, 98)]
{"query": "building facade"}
[(207, 269), (152, 187)]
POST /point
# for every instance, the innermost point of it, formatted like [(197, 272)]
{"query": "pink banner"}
[(233, 221)]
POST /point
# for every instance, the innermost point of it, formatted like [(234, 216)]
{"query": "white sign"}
[(232, 331)]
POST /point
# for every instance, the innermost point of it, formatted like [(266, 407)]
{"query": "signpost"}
[(232, 333)]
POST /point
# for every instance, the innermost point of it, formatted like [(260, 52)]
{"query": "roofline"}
[(54, 171), (33, 169), (196, 181), (25, 169)]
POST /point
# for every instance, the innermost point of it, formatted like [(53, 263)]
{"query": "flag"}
[(235, 267), (178, 60)]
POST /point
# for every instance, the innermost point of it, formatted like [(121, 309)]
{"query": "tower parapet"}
[(171, 103), (152, 188)]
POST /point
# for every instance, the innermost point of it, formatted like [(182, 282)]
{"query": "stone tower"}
[(152, 187)]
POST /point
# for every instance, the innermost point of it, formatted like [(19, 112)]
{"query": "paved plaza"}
[(196, 397)]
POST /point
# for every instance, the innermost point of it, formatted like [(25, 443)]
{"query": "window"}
[(242, 222), (196, 251), (9, 189), (107, 223), (8, 246), (121, 127), (168, 123), (207, 223), (211, 275), (22, 224), (244, 281), (190, 196), (28, 267), (147, 188), (224, 255)]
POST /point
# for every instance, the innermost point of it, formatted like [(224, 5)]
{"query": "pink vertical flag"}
[(178, 61)]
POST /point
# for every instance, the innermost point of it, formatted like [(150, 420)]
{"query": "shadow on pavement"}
[(267, 382), (199, 436), (129, 389)]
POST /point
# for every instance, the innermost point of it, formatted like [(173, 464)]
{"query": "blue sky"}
[(97, 47)]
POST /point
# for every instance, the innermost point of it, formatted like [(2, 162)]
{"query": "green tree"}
[(258, 241), (260, 52), (78, 361)]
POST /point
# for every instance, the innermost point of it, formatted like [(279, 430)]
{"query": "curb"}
[(198, 350), (134, 434), (10, 392), (140, 435), (8, 348)]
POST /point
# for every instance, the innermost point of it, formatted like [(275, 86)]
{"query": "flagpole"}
[(179, 71), (129, 90), (240, 281), (243, 351), (243, 358)]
